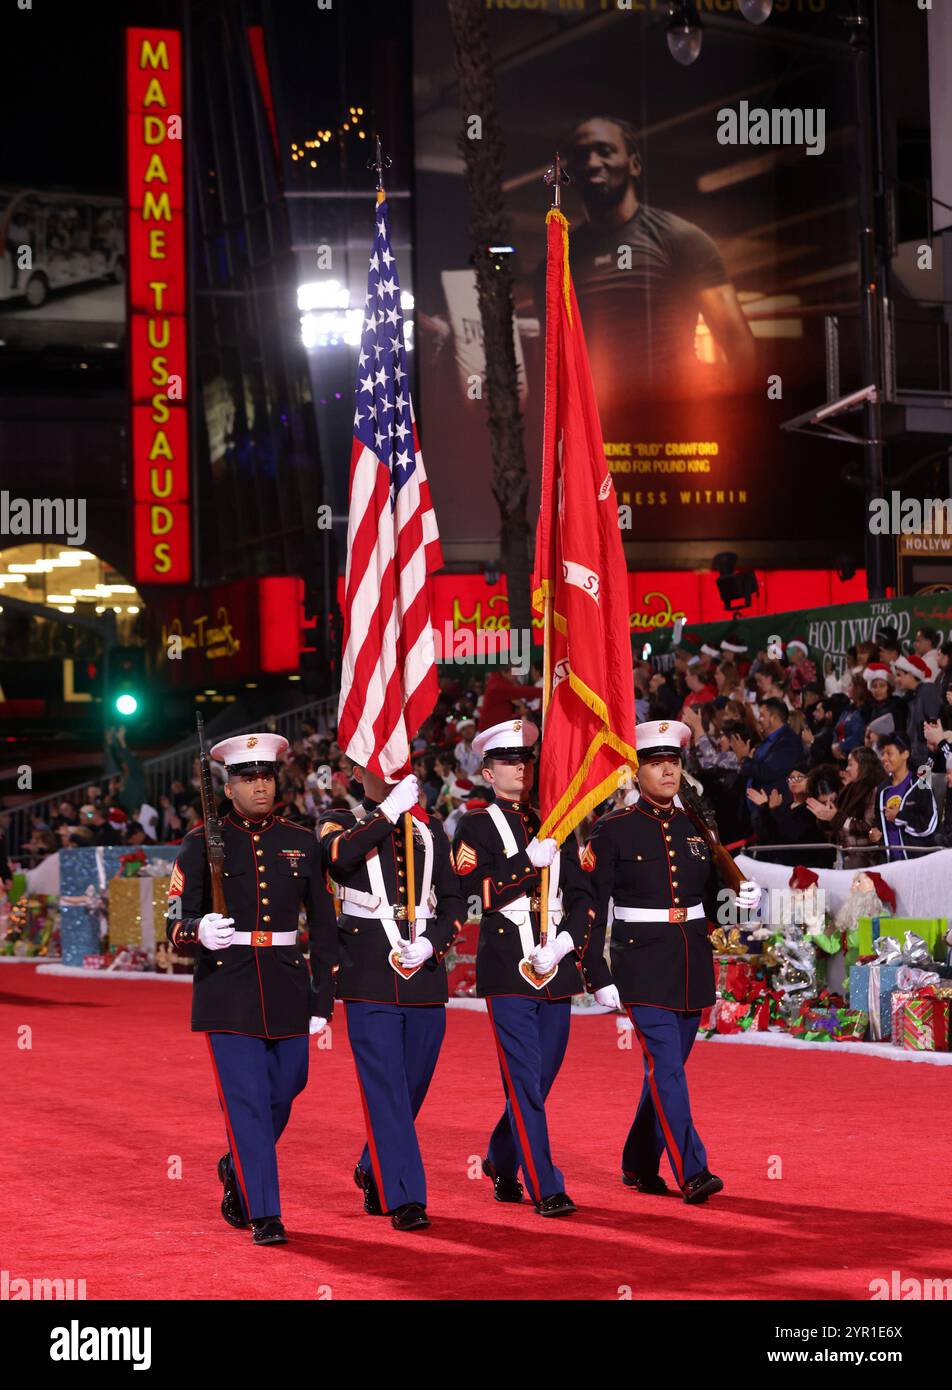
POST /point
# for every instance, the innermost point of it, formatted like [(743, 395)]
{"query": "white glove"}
[(215, 931), (608, 996), (543, 959), (317, 1024), (414, 953), (749, 895), (541, 852), (403, 797)]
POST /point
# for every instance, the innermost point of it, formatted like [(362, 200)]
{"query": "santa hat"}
[(116, 816), (735, 648), (884, 892), (914, 666), (798, 642), (878, 671), (708, 650), (803, 878), (464, 784)]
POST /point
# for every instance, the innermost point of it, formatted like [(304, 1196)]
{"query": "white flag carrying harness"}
[(518, 911), (376, 904)]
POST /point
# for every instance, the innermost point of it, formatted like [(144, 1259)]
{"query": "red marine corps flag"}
[(580, 580), (388, 676)]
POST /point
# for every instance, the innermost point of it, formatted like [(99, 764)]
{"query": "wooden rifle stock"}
[(694, 809), (214, 836)]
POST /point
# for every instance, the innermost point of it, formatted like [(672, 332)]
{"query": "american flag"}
[(388, 678)]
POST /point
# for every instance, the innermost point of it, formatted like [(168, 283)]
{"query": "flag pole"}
[(555, 176), (379, 163), (411, 874)]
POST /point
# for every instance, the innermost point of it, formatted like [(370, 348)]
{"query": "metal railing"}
[(762, 852), (175, 765)]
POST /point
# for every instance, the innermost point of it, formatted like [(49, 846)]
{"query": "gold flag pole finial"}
[(379, 162), (555, 176)]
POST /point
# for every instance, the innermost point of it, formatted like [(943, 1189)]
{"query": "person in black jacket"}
[(793, 819), (527, 985), (652, 863), (767, 767), (880, 679), (253, 995), (392, 977)]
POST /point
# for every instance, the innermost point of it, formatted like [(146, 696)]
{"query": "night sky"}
[(62, 92)]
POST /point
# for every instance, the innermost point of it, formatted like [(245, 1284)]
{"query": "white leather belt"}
[(264, 938), (388, 910), (659, 914)]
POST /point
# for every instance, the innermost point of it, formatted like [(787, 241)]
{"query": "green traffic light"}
[(127, 704)]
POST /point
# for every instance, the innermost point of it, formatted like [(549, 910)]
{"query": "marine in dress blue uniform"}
[(653, 867), (254, 995), (528, 987), (394, 990)]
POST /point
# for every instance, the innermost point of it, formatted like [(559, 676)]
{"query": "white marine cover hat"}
[(508, 737), (247, 751)]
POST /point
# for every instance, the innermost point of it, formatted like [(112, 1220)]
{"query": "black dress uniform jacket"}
[(486, 872), (365, 971), (272, 870), (646, 856)]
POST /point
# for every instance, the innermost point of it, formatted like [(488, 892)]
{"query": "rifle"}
[(214, 838), (703, 819)]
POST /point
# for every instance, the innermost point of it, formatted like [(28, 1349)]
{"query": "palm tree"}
[(488, 227)]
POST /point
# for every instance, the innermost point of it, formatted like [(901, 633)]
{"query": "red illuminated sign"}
[(157, 324)]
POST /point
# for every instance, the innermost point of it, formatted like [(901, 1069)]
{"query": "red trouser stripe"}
[(673, 1149), (531, 1175), (228, 1129), (374, 1158)]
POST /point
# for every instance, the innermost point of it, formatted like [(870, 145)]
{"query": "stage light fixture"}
[(756, 11), (684, 33)]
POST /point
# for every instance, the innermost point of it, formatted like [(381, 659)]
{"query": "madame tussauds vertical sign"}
[(157, 336)]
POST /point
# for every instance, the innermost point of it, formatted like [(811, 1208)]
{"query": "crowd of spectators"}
[(848, 763)]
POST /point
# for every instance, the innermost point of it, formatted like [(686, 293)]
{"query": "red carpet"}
[(115, 1088)]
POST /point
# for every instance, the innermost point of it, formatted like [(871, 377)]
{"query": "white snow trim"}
[(884, 1051), (77, 972)]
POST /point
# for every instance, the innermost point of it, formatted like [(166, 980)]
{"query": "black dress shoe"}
[(268, 1231), (504, 1189), (410, 1217), (231, 1208), (559, 1204), (654, 1184), (365, 1181), (700, 1187)]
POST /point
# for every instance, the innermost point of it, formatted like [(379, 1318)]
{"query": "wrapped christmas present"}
[(830, 1024), (929, 930), (137, 908), (97, 961), (734, 975), (923, 1021), (738, 1016), (871, 987)]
